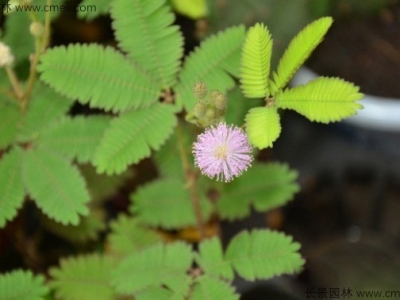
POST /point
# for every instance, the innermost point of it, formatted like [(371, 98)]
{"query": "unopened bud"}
[(36, 29), (220, 101), (6, 57), (200, 109), (200, 90), (210, 113)]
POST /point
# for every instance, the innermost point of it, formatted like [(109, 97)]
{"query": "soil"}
[(365, 51)]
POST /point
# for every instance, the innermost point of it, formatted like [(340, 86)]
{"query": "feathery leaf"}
[(213, 62), (166, 203), (22, 285), (194, 9), (256, 60), (263, 254), (74, 137), (99, 76), (159, 265), (11, 188), (144, 30), (211, 260), (101, 7), (322, 99), (212, 288), (158, 293), (298, 51), (56, 186), (265, 186), (9, 116), (263, 126), (132, 135), (83, 278)]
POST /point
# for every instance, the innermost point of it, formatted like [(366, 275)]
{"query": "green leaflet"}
[(263, 126), (156, 266), (56, 186), (211, 260), (265, 186), (129, 236), (213, 62), (99, 76), (22, 285), (132, 135), (144, 30), (9, 116), (263, 254), (158, 293), (322, 99), (12, 192), (83, 277), (256, 60), (101, 8), (74, 137), (194, 9), (212, 288), (298, 51), (167, 203)]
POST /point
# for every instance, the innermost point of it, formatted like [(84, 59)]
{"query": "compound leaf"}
[(194, 9), (211, 63), (322, 99), (298, 51), (263, 126), (22, 285), (263, 254), (9, 116), (132, 135), (74, 137), (83, 277), (212, 288), (256, 60), (167, 203), (157, 45), (156, 266), (265, 186), (99, 76), (11, 188), (56, 186)]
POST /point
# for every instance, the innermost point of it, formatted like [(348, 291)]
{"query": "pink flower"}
[(222, 152)]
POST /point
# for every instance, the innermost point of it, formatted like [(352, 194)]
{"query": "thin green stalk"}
[(15, 83)]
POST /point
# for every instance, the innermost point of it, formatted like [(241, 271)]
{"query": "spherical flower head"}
[(222, 152), (6, 57)]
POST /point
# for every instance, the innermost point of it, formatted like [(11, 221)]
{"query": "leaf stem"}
[(15, 83), (191, 182)]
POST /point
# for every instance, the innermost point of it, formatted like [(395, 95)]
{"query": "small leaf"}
[(298, 51), (265, 186), (263, 126), (211, 289), (129, 236), (12, 192), (159, 265), (93, 9), (211, 260), (322, 99), (167, 203), (56, 186), (132, 135), (256, 60), (263, 254), (194, 9), (9, 116), (99, 76), (157, 293), (83, 278), (74, 137), (22, 285)]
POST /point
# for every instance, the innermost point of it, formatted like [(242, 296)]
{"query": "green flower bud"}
[(200, 109), (200, 90), (36, 29), (210, 113), (220, 101)]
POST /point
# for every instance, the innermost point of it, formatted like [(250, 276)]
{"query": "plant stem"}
[(191, 182), (15, 83)]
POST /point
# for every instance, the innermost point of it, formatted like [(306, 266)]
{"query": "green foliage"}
[(263, 126), (167, 203), (322, 99), (157, 46), (132, 135), (129, 236), (194, 9), (59, 190), (212, 63), (298, 51), (102, 8), (12, 192), (99, 76), (9, 116), (156, 266), (83, 277), (22, 285), (263, 254), (74, 137), (212, 288), (265, 186), (256, 59)]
